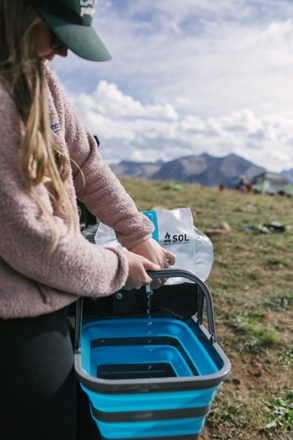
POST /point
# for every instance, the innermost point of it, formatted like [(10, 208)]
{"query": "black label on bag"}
[(175, 238)]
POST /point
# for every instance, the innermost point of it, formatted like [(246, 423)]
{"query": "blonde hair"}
[(22, 73)]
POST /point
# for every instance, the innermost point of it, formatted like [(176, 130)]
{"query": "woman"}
[(48, 160)]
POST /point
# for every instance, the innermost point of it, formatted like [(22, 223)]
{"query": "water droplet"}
[(149, 309)]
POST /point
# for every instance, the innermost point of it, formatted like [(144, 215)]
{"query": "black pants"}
[(39, 396)]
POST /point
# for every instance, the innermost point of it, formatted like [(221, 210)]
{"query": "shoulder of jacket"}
[(55, 87)]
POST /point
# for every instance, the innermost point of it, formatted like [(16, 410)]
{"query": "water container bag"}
[(175, 231)]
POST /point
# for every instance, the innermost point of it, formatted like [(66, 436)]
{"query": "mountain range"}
[(203, 169), (288, 174)]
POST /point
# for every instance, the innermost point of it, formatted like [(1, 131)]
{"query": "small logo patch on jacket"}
[(56, 127)]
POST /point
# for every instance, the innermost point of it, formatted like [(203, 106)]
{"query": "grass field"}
[(252, 287)]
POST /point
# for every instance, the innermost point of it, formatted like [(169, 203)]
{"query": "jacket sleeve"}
[(95, 183), (76, 266)]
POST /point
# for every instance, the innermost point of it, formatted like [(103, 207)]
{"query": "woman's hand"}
[(137, 267), (151, 250)]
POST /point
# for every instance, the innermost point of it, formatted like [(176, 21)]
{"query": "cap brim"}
[(82, 40)]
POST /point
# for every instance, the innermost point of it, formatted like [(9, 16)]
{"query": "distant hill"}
[(203, 169), (288, 174), (144, 170)]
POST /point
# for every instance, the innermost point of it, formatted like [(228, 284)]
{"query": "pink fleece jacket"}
[(34, 280)]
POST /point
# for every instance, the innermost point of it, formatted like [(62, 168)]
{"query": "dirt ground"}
[(240, 411)]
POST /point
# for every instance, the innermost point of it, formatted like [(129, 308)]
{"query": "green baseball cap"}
[(71, 22)]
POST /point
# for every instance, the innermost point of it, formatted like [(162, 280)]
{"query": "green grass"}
[(252, 287)]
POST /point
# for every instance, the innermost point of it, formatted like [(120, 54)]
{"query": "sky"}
[(189, 77)]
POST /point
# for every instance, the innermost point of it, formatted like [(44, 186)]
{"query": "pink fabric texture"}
[(34, 280)]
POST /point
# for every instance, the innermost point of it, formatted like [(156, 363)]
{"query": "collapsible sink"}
[(147, 363)]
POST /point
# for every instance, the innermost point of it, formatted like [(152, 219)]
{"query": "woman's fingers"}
[(171, 258), (153, 257), (137, 267), (151, 250), (158, 282)]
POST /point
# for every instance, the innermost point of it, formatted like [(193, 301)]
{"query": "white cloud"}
[(137, 133), (279, 33), (108, 99)]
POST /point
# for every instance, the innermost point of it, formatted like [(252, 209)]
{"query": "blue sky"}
[(188, 77)]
